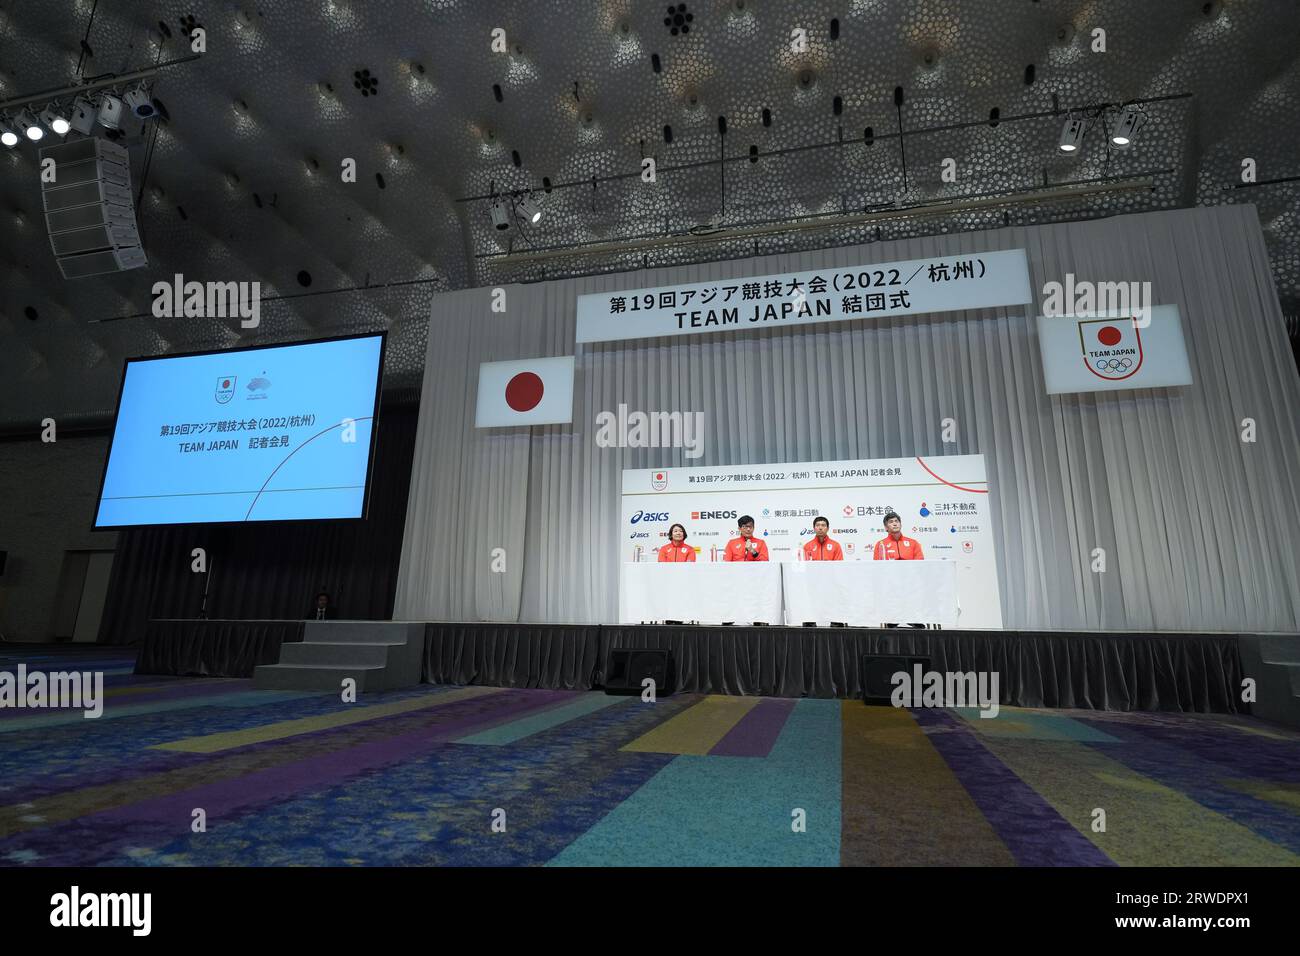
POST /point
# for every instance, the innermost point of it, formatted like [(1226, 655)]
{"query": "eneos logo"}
[(711, 515), (649, 516)]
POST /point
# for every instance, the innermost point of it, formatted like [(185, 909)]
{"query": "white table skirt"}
[(711, 592), (871, 593)]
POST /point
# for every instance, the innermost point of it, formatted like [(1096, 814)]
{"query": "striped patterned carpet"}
[(488, 776)]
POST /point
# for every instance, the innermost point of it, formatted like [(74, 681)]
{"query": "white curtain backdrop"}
[(1200, 530)]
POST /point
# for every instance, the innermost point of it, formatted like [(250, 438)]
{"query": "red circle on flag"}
[(659, 477), (226, 383), (524, 391), (1108, 335)]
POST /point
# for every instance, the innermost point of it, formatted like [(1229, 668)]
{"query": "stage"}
[(1119, 671)]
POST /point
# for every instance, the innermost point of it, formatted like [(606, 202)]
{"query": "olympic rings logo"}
[(1114, 365)]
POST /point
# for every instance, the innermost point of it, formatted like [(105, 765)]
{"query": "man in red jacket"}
[(895, 546), (822, 547), (746, 547)]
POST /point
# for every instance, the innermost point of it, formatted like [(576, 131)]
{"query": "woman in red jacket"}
[(677, 549)]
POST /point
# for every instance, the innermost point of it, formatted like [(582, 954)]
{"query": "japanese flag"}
[(526, 392)]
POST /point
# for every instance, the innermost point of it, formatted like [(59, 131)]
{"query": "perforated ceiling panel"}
[(244, 182)]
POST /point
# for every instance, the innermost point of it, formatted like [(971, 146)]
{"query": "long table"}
[(713, 592), (858, 593)]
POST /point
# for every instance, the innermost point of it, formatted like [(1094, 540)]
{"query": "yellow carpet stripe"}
[(351, 714), (697, 729), (902, 805), (1147, 823)]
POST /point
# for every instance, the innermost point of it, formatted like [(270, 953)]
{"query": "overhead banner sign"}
[(979, 280), (943, 502), (1102, 353)]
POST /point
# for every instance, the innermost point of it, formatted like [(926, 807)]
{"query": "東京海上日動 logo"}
[(659, 480), (225, 389), (1112, 348)]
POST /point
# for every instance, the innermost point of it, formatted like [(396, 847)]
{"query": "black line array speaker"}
[(628, 668), (4, 555), (89, 212), (878, 672)]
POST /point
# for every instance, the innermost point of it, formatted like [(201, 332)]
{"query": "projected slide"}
[(273, 433)]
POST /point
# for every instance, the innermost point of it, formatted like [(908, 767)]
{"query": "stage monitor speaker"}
[(89, 211), (628, 668), (878, 671)]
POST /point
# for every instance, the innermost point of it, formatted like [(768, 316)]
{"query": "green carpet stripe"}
[(524, 727), (1027, 725), (731, 811)]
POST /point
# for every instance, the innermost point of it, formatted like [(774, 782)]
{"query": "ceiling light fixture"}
[(500, 217), (8, 135), (29, 126), (1131, 120), (140, 102), (110, 111), (53, 117), (530, 209), (1072, 134), (83, 116)]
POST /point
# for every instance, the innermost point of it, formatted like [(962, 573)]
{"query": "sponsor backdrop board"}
[(943, 502)]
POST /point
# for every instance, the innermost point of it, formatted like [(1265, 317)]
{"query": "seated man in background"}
[(323, 609), (746, 547), (822, 547)]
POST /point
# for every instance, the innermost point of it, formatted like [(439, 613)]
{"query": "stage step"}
[(1274, 661), (379, 655), (317, 677), (336, 652)]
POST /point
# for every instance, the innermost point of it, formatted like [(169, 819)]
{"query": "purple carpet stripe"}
[(756, 732), (100, 836), (1233, 753), (1030, 827)]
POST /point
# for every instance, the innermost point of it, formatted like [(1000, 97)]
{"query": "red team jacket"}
[(816, 551), (676, 552), (735, 550), (904, 549)]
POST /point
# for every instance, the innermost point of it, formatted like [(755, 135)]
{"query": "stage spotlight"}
[(1072, 134), (83, 116), (140, 103), (1131, 119), (110, 111), (8, 135), (530, 209), (53, 118), (30, 126), (500, 217)]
